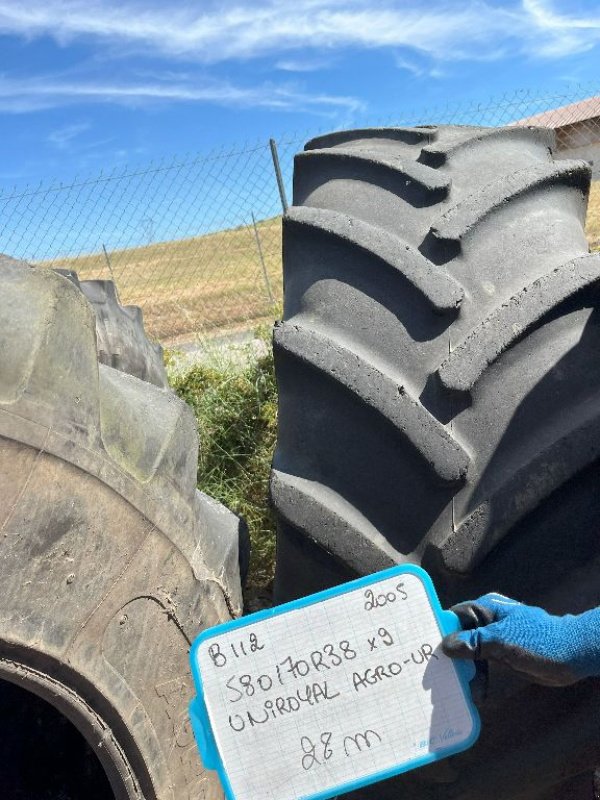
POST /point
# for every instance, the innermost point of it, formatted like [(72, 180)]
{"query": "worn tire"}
[(121, 337), (110, 560), (440, 404)]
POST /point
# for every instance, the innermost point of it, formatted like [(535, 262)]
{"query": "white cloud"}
[(547, 17), (61, 138), (303, 64), (562, 34), (416, 69), (253, 28), (20, 96), (410, 66), (299, 35)]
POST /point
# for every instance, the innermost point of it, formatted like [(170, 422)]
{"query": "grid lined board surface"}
[(328, 694)]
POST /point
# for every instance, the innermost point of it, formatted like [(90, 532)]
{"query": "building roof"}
[(565, 115)]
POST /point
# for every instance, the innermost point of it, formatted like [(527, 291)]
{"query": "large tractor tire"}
[(111, 561), (121, 338), (440, 404)]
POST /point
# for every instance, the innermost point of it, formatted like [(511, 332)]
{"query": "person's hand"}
[(555, 651)]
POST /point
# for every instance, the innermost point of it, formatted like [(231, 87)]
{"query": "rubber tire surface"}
[(440, 404), (111, 561), (121, 337)]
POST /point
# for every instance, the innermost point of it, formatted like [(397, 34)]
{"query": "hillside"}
[(214, 282), (197, 284)]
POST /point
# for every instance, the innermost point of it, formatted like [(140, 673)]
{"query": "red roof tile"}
[(566, 115)]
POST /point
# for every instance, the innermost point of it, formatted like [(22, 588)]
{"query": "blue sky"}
[(93, 83)]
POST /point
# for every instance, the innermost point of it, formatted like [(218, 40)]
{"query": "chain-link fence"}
[(196, 242)]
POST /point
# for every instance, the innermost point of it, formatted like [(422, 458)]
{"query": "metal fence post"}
[(110, 269), (276, 166), (262, 260)]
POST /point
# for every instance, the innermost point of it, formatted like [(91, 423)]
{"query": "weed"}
[(236, 410)]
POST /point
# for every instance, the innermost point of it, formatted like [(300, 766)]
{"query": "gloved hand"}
[(555, 651)]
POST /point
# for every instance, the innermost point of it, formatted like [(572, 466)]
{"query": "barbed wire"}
[(196, 240)]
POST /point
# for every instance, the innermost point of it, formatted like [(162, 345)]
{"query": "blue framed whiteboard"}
[(332, 692)]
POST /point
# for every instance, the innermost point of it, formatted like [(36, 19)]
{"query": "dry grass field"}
[(199, 285), (213, 283)]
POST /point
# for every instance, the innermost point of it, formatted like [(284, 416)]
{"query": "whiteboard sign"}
[(325, 694)]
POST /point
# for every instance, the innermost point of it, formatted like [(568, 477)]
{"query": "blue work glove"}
[(554, 651)]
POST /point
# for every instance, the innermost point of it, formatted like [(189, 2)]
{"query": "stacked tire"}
[(440, 404), (111, 561), (121, 339)]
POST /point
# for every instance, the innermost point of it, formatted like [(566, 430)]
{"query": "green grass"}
[(236, 410)]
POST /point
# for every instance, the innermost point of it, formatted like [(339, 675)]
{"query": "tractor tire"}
[(440, 404), (122, 340), (111, 561)]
